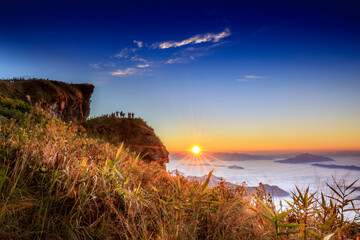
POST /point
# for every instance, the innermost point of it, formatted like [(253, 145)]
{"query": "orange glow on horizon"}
[(261, 146), (270, 133)]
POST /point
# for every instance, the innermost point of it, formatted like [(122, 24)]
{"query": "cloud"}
[(136, 64), (247, 78), (124, 72), (100, 65), (138, 59), (139, 43), (95, 65), (200, 38), (125, 52), (179, 60), (253, 76), (142, 65), (110, 64)]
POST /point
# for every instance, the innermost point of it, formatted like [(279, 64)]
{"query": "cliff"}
[(69, 102), (135, 134)]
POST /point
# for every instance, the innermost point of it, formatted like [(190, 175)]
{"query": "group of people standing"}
[(121, 114)]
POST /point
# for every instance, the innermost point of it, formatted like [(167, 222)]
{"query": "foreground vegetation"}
[(57, 183)]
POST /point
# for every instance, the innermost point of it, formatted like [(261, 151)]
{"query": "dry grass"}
[(57, 183)]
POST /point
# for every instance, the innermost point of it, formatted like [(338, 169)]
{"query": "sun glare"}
[(196, 149)]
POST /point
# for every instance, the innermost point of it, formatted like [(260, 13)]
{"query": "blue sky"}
[(227, 75)]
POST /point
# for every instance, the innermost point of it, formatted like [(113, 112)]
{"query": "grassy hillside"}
[(58, 183), (39, 89), (134, 133)]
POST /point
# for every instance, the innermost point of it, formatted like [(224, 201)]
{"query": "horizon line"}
[(279, 150)]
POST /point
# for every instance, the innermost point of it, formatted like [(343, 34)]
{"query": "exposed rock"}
[(69, 102), (135, 134)]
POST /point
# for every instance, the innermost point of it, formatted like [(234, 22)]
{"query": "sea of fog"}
[(283, 175)]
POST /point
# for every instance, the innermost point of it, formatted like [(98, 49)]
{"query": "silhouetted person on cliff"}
[(132, 115), (129, 115)]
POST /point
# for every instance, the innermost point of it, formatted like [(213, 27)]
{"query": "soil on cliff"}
[(135, 134)]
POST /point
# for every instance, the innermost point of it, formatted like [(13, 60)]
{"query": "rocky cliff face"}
[(69, 102), (135, 133)]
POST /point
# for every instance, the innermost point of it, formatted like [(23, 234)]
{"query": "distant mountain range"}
[(305, 158), (274, 190), (226, 156), (333, 166), (235, 167), (240, 156), (291, 158), (344, 154)]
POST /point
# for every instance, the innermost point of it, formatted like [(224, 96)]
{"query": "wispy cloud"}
[(140, 44), (125, 52), (179, 60), (138, 59), (124, 72), (143, 65), (100, 65), (95, 65), (247, 78), (191, 53), (109, 64), (200, 38), (253, 76)]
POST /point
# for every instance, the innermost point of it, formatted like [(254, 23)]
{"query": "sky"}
[(225, 75)]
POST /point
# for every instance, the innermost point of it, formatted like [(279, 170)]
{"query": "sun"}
[(196, 149)]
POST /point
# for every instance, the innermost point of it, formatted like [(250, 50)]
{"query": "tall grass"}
[(57, 183)]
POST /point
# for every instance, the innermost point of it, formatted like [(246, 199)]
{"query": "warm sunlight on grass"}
[(196, 150)]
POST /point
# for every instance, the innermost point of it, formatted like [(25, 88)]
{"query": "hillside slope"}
[(135, 133)]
